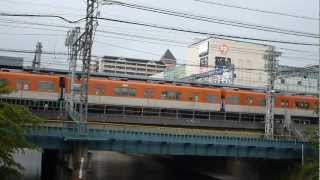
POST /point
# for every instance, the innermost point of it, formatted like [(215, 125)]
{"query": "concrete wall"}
[(246, 57)]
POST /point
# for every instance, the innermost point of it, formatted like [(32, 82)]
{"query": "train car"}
[(102, 91)]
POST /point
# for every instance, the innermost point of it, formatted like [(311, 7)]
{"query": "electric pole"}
[(80, 47), (72, 37), (272, 74), (37, 58)]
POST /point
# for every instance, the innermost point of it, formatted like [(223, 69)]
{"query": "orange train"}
[(144, 94)]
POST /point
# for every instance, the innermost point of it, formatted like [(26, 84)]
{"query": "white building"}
[(225, 61)]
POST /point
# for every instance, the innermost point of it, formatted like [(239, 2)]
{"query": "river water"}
[(114, 166)]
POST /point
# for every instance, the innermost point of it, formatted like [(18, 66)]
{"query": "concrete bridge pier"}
[(79, 160), (53, 165)]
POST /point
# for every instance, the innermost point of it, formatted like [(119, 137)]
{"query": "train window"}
[(284, 103), (262, 102), (249, 100), (3, 81), (132, 92), (117, 91), (232, 100), (170, 95), (124, 91), (302, 105), (148, 93), (99, 90), (194, 97), (23, 85), (211, 99), (45, 86)]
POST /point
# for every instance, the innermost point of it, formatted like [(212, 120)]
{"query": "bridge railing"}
[(102, 130), (126, 114)]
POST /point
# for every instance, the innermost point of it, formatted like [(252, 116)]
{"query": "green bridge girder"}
[(154, 142)]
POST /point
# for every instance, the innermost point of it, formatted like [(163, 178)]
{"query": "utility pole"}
[(272, 74), (37, 58), (72, 37), (82, 48), (86, 41)]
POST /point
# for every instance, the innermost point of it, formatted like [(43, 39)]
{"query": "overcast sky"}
[(15, 35)]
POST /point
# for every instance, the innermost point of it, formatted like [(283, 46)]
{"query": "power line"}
[(117, 46), (257, 10), (42, 16), (206, 33), (213, 19), (183, 44), (130, 35), (186, 30)]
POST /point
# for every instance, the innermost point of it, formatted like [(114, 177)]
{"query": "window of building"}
[(299, 83), (233, 100), (148, 93), (170, 95), (211, 99), (23, 85), (282, 81), (124, 91), (46, 86)]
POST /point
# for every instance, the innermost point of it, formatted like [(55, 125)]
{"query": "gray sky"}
[(22, 36)]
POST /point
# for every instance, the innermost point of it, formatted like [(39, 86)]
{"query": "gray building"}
[(11, 62), (303, 80), (133, 66)]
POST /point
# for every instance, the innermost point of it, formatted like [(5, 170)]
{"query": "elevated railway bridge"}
[(161, 131), (164, 131)]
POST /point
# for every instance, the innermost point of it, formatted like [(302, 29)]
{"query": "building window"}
[(170, 95), (282, 81), (299, 83), (233, 100), (46, 86), (23, 85), (211, 99)]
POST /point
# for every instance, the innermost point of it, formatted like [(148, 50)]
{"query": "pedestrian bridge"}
[(155, 140)]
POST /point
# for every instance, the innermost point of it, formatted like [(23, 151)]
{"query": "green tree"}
[(310, 170), (13, 119)]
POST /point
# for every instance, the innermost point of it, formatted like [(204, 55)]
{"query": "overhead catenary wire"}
[(311, 69), (179, 43), (257, 10), (238, 49), (168, 28), (207, 33), (213, 19)]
